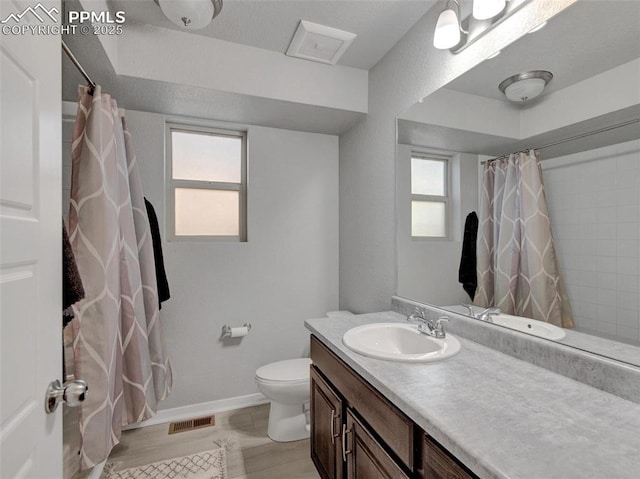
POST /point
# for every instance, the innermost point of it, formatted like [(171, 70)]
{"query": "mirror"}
[(586, 127)]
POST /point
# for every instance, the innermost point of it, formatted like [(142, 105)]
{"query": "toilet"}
[(286, 384)]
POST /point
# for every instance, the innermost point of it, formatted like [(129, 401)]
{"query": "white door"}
[(30, 243)]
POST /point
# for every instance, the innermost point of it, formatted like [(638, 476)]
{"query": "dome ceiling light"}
[(525, 86), (190, 14)]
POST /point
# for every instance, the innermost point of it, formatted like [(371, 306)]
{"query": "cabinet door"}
[(326, 425), (366, 459)]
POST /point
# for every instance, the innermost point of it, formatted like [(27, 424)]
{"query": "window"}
[(207, 172), (429, 196)]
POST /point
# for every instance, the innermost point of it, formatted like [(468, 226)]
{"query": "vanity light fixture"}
[(190, 14), (486, 9), (455, 33), (525, 86), (448, 30)]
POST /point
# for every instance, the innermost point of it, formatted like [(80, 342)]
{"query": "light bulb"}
[(485, 9), (447, 33)]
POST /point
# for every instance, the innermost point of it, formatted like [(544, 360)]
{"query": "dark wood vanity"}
[(358, 433)]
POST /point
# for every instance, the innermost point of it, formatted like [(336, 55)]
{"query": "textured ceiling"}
[(270, 24), (588, 38)]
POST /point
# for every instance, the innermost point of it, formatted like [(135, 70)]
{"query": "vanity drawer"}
[(439, 464), (390, 424)]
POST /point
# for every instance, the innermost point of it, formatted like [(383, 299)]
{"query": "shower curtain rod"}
[(75, 61), (575, 137)]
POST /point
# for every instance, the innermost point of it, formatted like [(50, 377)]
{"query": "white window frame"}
[(424, 155), (172, 184)]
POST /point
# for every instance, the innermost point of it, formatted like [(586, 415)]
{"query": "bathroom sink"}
[(399, 342), (530, 326)]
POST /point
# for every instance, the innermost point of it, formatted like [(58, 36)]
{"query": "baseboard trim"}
[(201, 409)]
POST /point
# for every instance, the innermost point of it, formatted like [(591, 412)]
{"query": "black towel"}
[(467, 273), (161, 275), (72, 288)]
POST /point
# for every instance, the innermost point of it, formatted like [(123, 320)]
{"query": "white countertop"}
[(502, 417)]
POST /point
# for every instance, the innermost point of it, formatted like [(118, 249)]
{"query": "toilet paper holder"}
[(227, 330)]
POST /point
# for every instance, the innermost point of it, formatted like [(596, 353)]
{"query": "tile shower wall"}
[(594, 204)]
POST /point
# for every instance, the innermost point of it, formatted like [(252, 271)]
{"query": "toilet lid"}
[(289, 370)]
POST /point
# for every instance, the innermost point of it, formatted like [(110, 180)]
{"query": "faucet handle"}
[(417, 314), (438, 327), (438, 322)]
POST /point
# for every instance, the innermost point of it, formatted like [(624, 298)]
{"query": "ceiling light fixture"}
[(486, 9), (448, 30), (190, 14), (525, 86)]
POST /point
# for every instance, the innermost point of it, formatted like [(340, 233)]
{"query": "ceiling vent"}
[(319, 43)]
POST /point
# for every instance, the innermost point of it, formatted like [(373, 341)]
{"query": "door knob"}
[(72, 393)]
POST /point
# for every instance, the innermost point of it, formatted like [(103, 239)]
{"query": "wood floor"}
[(250, 453)]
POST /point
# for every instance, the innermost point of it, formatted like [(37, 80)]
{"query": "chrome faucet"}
[(428, 326), (487, 313), (417, 315), (470, 309)]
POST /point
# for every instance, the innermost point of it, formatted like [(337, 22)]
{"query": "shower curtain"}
[(517, 266), (118, 340)]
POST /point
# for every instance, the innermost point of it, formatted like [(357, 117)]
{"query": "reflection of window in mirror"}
[(429, 195)]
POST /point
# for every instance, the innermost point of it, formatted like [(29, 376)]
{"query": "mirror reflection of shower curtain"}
[(118, 340), (517, 264)]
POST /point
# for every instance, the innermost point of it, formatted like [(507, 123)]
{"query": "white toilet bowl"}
[(286, 384)]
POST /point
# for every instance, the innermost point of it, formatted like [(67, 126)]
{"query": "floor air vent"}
[(191, 424)]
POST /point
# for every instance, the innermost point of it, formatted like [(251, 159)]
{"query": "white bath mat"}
[(201, 465)]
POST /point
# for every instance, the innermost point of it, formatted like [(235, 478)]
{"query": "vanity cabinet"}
[(356, 433)]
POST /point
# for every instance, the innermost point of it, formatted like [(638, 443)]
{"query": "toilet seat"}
[(289, 371)]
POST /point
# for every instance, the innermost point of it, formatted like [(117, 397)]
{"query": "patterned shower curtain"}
[(118, 340), (517, 264)]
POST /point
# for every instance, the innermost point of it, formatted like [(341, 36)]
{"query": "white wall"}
[(410, 71), (464, 111), (594, 205), (143, 51), (428, 268), (578, 102), (287, 272)]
